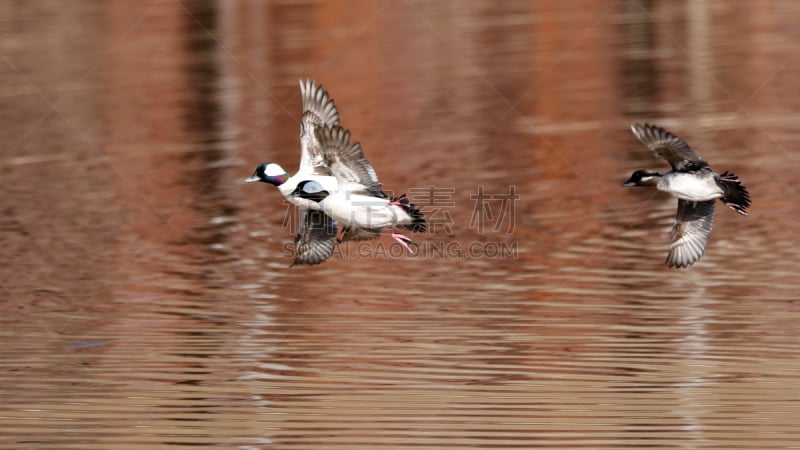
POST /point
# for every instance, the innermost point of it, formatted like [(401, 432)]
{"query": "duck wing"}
[(318, 111), (315, 239), (346, 160), (693, 225), (668, 146)]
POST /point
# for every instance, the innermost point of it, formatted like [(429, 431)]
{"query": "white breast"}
[(690, 186)]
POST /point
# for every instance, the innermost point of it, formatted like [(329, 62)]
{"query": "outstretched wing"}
[(668, 146), (315, 239), (318, 111), (690, 234), (346, 160)]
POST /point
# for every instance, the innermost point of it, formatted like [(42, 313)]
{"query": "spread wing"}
[(346, 160), (690, 234), (668, 146), (318, 111), (316, 237)]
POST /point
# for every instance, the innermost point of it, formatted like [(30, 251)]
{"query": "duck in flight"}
[(360, 203), (695, 185), (316, 234)]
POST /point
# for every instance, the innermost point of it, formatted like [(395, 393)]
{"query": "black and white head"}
[(269, 173), (643, 178), (310, 190)]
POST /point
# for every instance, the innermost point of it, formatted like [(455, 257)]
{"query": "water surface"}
[(146, 297)]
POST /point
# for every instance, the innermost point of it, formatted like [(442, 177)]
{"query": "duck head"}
[(310, 190), (269, 173), (643, 178)]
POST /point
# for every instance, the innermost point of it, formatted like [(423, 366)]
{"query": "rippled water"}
[(146, 296)]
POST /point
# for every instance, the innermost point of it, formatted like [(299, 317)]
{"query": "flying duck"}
[(316, 235), (360, 203), (695, 185)]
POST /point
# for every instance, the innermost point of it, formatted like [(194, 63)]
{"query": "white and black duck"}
[(696, 186)]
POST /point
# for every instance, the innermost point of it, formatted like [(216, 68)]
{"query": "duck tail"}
[(417, 224), (735, 195)]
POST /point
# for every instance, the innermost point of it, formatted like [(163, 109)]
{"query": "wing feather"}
[(668, 146), (315, 239), (319, 110), (346, 160), (690, 233)]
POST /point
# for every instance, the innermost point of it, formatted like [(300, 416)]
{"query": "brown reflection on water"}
[(146, 296)]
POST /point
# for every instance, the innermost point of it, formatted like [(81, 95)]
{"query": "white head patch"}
[(273, 170)]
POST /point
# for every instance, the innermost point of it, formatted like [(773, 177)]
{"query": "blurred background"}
[(146, 296)]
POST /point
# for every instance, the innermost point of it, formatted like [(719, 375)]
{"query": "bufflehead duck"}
[(316, 235), (360, 203), (695, 185)]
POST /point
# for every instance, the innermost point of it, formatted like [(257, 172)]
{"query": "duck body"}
[(699, 186), (363, 211)]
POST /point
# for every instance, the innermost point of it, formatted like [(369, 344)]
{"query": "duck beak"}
[(629, 183), (251, 179)]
